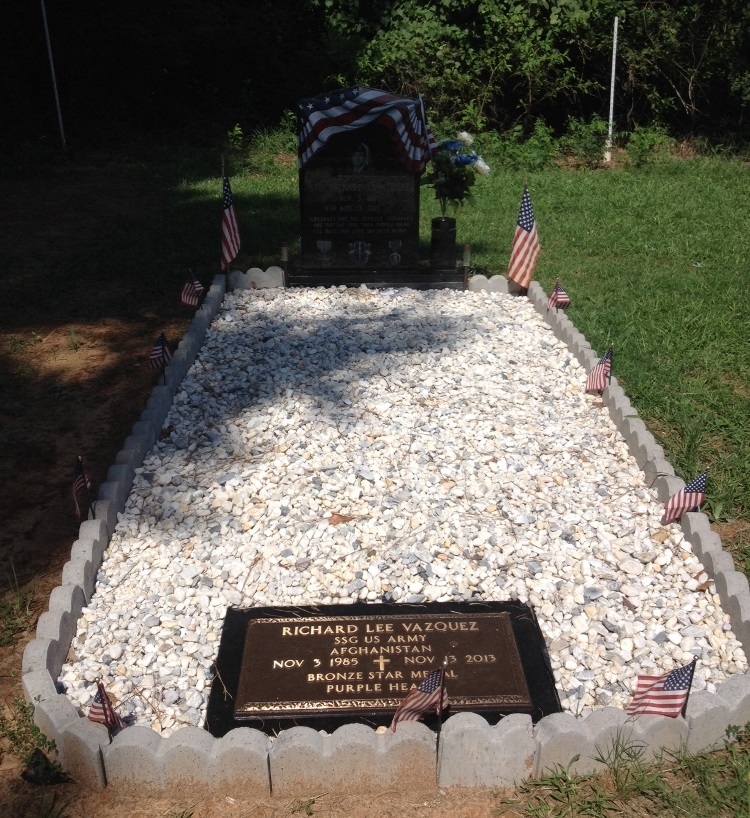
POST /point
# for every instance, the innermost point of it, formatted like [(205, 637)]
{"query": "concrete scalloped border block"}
[(354, 758), (257, 279), (472, 753), (189, 759)]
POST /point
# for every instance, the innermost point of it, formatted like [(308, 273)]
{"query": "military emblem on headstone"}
[(395, 256), (359, 252)]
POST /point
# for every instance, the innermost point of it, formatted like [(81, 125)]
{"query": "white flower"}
[(482, 167), (466, 138)]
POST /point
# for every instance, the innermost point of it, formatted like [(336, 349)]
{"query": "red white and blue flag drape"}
[(351, 108)]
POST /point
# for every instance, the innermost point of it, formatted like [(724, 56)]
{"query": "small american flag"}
[(160, 354), (601, 374), (81, 483), (352, 108), (102, 712), (192, 291), (230, 232), (558, 298), (526, 246), (418, 701), (662, 695), (686, 499)]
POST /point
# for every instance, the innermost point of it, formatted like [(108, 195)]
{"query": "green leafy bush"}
[(645, 143), (515, 150), (585, 141)]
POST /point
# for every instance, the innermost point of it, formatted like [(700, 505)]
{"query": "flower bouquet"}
[(453, 171)]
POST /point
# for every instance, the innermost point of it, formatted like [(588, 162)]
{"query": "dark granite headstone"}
[(325, 666), (359, 209)]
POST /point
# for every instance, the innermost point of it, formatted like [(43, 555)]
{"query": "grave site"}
[(382, 527), (303, 542)]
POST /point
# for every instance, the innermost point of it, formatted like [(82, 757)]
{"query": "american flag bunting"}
[(601, 374), (352, 108), (526, 248), (558, 298), (230, 231), (662, 695), (192, 291), (102, 712), (160, 353), (419, 700), (686, 499)]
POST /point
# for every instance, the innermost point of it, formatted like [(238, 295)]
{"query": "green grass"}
[(708, 785), (15, 609)]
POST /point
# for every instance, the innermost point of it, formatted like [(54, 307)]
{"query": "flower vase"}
[(443, 245)]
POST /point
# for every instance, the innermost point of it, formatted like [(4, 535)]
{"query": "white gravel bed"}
[(340, 445)]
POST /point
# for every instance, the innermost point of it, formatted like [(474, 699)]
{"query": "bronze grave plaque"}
[(297, 667)]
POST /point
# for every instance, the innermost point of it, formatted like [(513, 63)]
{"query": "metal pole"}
[(54, 78), (608, 151)]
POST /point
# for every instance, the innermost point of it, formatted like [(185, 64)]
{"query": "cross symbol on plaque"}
[(381, 662)]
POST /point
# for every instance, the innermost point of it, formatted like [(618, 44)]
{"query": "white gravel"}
[(347, 445)]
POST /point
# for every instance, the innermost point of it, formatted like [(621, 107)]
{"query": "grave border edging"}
[(472, 753)]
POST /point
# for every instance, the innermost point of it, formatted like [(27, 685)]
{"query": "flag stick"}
[(440, 718), (86, 487), (611, 364), (690, 684)]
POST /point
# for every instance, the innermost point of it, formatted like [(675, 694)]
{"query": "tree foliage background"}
[(198, 67)]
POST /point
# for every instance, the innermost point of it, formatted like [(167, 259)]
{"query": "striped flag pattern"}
[(192, 291), (419, 700), (102, 712), (601, 374), (558, 298), (230, 231), (81, 483), (525, 250), (688, 498), (662, 695), (352, 108), (160, 353)]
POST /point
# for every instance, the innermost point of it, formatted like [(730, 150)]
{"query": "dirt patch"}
[(479, 803)]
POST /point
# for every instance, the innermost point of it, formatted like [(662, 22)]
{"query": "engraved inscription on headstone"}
[(307, 666), (359, 206)]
